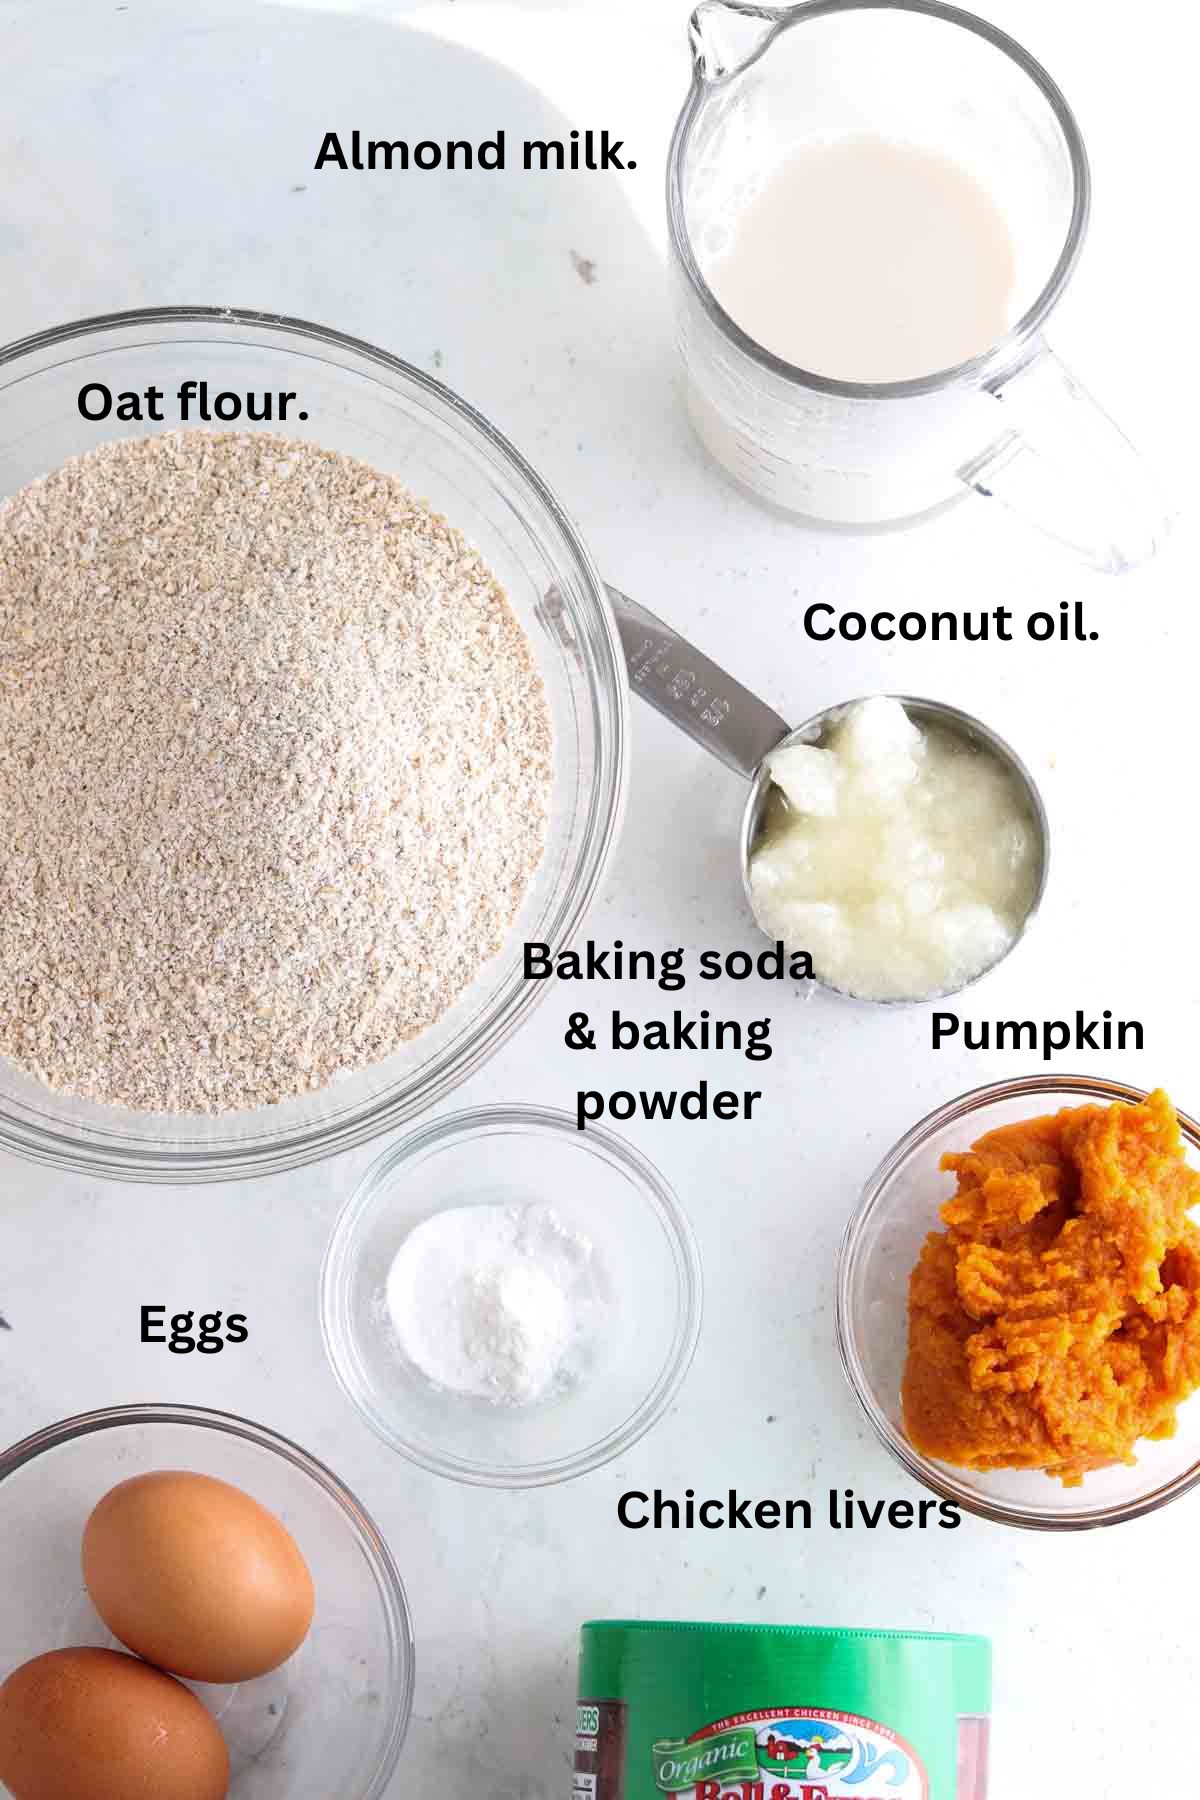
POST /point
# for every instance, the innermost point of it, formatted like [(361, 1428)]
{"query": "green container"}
[(780, 1712)]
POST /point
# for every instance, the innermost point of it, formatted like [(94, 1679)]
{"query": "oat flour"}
[(275, 767)]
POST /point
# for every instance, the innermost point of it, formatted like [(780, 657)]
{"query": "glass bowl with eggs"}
[(194, 1607), (312, 709)]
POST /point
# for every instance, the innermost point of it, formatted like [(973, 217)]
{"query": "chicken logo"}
[(803, 1755)]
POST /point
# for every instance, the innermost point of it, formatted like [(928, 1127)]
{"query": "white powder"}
[(503, 1303), (275, 770)]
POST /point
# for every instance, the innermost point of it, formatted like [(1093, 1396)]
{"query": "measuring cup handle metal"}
[(682, 684)]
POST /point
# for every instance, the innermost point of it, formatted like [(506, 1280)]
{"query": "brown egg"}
[(197, 1577), (96, 1725)]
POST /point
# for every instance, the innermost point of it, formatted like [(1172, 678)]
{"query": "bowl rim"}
[(338, 1334), (940, 1478), (103, 1150), (397, 1614)]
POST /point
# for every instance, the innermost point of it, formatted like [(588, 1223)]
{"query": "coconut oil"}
[(904, 860)]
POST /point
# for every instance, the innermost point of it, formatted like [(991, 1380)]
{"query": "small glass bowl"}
[(899, 1207), (333, 1719), (646, 1254)]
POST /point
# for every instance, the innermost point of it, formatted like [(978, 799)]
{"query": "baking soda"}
[(501, 1303)]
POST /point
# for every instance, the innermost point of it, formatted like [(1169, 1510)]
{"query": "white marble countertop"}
[(157, 153)]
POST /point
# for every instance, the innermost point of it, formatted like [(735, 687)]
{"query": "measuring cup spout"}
[(728, 35)]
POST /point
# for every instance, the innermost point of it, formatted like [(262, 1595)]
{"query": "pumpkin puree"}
[(1056, 1319)]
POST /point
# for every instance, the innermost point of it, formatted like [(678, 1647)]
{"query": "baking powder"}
[(500, 1302)]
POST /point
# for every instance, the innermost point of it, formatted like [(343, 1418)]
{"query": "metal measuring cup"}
[(741, 730)]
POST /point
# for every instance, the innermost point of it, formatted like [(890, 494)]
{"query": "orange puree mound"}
[(1056, 1319)]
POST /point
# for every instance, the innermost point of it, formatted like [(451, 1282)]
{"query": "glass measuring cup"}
[(740, 730), (1012, 424)]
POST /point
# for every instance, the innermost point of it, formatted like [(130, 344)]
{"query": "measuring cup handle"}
[(1059, 461), (682, 684)]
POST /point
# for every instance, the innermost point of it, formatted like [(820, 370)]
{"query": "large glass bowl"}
[(333, 1719), (601, 1189), (899, 1207), (363, 402)]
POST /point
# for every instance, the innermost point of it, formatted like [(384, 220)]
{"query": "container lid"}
[(705, 1626), (824, 1661)]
